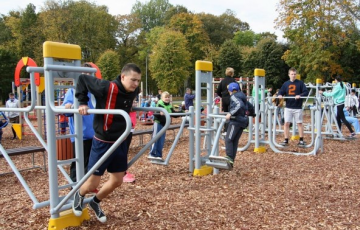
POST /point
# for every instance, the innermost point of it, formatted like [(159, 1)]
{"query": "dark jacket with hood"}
[(108, 95), (239, 109)]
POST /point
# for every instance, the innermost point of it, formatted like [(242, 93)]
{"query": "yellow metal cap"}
[(259, 72), (319, 81), (204, 66), (61, 50)]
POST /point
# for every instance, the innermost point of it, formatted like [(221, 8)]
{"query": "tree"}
[(197, 39), (82, 23), (191, 27), (8, 62), (129, 37), (109, 65), (317, 31), (223, 27), (151, 14), (246, 38), (230, 56), (170, 61), (268, 57)]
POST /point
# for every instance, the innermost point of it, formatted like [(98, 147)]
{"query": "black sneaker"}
[(301, 144), (98, 212), (284, 143), (77, 205)]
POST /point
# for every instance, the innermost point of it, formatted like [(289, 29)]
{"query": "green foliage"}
[(197, 39), (170, 61), (223, 27), (82, 23), (230, 56), (266, 55), (109, 65), (246, 38), (318, 34), (8, 62), (152, 13)]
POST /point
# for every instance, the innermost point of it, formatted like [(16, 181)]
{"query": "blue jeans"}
[(156, 148)]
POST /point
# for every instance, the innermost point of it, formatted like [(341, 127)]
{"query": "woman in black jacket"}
[(222, 90)]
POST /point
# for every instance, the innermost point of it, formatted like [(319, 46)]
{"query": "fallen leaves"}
[(264, 191)]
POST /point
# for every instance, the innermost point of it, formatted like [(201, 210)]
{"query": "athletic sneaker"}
[(352, 135), (230, 162), (129, 178), (151, 157), (98, 212), (284, 143), (77, 205), (301, 143)]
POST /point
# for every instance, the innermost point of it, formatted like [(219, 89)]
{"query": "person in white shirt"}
[(352, 102), (13, 116)]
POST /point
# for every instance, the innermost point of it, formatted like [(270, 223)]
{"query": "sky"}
[(259, 14)]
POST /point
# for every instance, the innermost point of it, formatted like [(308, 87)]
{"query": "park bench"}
[(26, 150), (141, 133)]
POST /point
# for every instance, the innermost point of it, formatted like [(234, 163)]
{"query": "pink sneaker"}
[(129, 178)]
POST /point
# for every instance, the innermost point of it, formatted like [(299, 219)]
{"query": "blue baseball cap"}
[(233, 86)]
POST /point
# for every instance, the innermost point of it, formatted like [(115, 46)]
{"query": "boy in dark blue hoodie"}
[(238, 120)]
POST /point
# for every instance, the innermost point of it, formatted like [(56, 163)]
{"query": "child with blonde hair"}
[(159, 122)]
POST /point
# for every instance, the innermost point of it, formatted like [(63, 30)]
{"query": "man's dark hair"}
[(11, 94), (130, 67)]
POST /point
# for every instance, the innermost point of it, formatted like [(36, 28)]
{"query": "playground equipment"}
[(202, 161), (22, 84), (55, 65)]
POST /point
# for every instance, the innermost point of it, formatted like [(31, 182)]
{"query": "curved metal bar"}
[(104, 157), (157, 136), (33, 97)]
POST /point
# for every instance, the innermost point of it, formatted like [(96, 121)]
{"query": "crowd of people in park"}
[(101, 131)]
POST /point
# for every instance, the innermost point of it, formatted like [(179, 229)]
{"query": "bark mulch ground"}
[(263, 191)]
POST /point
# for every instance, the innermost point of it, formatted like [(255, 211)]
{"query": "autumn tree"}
[(197, 39), (317, 32), (129, 38), (170, 61), (109, 65), (80, 22)]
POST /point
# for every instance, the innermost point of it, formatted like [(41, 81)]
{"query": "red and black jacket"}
[(108, 95)]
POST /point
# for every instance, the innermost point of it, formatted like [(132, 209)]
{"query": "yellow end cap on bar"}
[(61, 51), (259, 72), (319, 81), (204, 66), (354, 85)]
